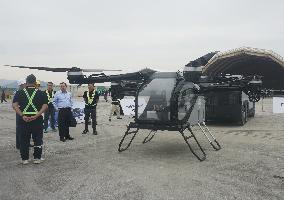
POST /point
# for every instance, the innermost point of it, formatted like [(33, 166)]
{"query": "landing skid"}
[(128, 132), (149, 137), (186, 139), (214, 143), (201, 155)]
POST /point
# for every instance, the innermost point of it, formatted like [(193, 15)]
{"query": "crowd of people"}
[(35, 109)]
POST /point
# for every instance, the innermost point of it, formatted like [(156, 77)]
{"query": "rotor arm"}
[(250, 85), (77, 77)]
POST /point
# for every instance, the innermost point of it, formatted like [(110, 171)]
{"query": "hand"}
[(26, 118), (32, 118)]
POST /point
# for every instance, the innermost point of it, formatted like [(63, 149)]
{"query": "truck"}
[(228, 104)]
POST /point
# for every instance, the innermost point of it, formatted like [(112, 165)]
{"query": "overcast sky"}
[(130, 34)]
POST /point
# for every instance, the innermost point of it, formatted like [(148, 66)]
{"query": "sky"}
[(130, 34)]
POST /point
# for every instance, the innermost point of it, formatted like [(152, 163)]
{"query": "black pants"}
[(18, 131), (28, 129), (93, 114), (2, 99), (64, 117), (50, 112)]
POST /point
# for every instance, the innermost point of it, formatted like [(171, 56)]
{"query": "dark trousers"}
[(3, 99), (50, 112), (93, 114), (64, 117), (18, 131), (28, 129)]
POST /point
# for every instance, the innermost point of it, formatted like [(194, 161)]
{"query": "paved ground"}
[(250, 165)]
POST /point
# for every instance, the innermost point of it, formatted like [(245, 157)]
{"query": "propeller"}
[(62, 69)]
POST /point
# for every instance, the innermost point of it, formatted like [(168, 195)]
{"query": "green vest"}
[(50, 98), (34, 110), (90, 99)]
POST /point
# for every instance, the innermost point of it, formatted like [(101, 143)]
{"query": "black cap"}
[(31, 79)]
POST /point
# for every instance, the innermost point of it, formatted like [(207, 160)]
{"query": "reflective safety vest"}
[(90, 99), (49, 98), (30, 103)]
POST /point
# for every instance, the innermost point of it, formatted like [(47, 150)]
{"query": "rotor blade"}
[(41, 68), (100, 70), (61, 69)]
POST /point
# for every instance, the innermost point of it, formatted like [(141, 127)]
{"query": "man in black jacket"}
[(91, 98), (29, 103)]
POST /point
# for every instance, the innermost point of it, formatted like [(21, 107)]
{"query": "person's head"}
[(31, 80), (49, 86), (63, 86), (21, 83), (91, 86), (37, 84)]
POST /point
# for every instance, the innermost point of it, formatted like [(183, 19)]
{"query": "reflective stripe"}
[(90, 99), (30, 103), (49, 98)]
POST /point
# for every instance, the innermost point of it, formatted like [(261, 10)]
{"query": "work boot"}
[(25, 162), (85, 131), (37, 161), (69, 138), (95, 132)]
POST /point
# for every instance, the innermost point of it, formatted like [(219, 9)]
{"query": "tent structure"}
[(249, 61)]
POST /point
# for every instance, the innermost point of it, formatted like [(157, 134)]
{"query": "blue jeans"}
[(50, 112)]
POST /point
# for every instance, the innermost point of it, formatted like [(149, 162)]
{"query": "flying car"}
[(174, 101)]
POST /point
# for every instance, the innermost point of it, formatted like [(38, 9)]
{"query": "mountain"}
[(4, 82), (13, 84)]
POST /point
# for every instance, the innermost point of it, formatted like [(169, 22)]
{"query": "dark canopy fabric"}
[(202, 61), (248, 61)]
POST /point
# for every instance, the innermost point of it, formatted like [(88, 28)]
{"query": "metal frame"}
[(174, 125), (180, 128)]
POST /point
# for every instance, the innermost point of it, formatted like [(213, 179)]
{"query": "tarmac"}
[(250, 164)]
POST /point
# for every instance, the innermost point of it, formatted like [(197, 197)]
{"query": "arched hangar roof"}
[(249, 61)]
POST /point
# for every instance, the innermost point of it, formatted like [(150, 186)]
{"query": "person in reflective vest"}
[(37, 85), (29, 103), (50, 111), (91, 98)]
